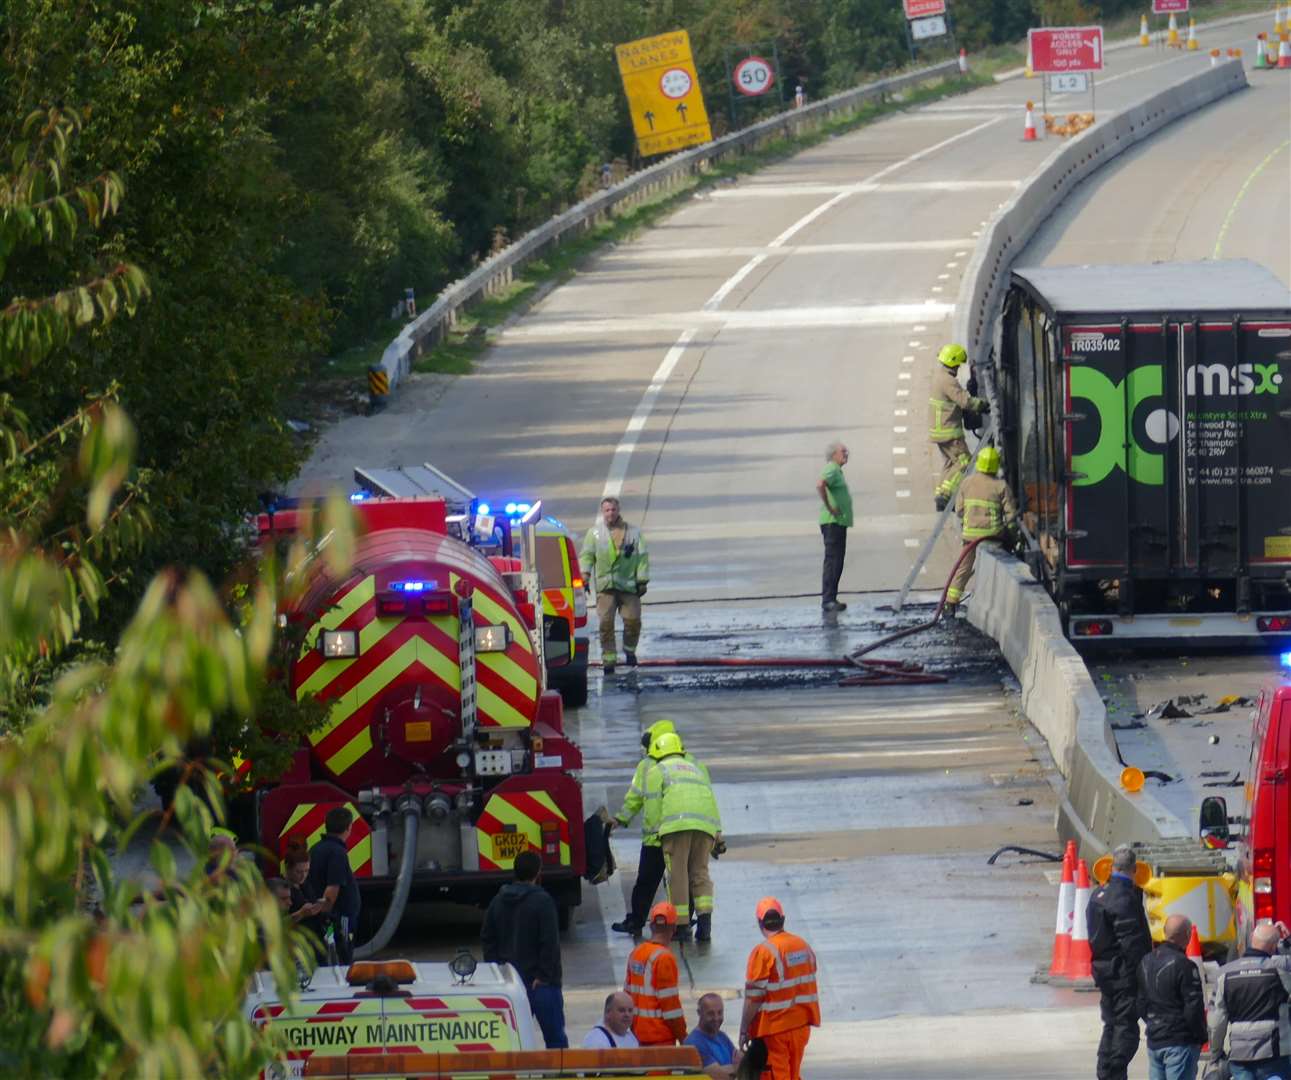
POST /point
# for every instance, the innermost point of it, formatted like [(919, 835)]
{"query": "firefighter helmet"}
[(952, 356), (988, 460), (659, 727), (666, 745)]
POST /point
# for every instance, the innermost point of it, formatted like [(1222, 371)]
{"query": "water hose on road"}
[(1048, 856), (402, 886)]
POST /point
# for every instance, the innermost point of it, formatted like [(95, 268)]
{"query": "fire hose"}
[(403, 883)]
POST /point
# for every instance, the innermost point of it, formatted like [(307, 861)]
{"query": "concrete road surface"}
[(699, 371)]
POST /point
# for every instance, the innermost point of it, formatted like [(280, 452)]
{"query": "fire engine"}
[(441, 738)]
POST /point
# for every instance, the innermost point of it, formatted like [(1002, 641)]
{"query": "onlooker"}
[(281, 892), (835, 520), (331, 880), (222, 853), (1119, 939), (1250, 1008), (304, 910), (614, 1032), (716, 1051), (781, 1002), (651, 982), (1175, 1012), (521, 928)]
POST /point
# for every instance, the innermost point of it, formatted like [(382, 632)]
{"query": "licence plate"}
[(509, 845)]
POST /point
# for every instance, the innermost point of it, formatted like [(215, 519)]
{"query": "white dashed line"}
[(943, 277), (907, 359), (899, 430), (938, 288), (903, 494), (900, 412), (918, 329), (916, 344), (911, 542), (901, 472), (898, 450), (951, 265), (960, 254), (903, 393), (905, 375)]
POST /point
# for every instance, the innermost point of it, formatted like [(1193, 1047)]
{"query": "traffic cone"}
[(1214, 57), (1066, 909), (1192, 35), (1260, 40), (1030, 68), (1028, 132), (1284, 52), (1193, 952), (1080, 959), (1145, 39), (1172, 35), (963, 62)]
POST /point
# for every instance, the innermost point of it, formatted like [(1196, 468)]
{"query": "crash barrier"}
[(987, 273), (497, 272), (1061, 701)]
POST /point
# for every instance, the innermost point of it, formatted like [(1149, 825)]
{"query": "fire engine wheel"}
[(572, 686)]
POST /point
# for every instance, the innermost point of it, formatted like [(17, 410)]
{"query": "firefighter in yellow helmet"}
[(946, 406), (681, 807), (650, 863), (986, 508)]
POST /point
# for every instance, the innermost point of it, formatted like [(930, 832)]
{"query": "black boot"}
[(704, 927), (627, 926)]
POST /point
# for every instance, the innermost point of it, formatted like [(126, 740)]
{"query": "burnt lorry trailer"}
[(1146, 419)]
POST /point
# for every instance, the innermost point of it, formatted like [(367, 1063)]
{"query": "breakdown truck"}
[(442, 739)]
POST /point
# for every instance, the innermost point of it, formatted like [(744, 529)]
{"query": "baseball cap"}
[(663, 913), (767, 905)]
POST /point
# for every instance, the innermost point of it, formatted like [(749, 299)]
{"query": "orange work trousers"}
[(784, 1054)]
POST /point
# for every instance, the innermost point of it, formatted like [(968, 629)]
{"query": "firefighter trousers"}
[(954, 463), (686, 855), (964, 571), (628, 606)]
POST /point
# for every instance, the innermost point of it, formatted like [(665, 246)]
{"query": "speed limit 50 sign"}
[(753, 76)]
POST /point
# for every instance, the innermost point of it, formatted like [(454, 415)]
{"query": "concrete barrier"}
[(1058, 695), (497, 272)]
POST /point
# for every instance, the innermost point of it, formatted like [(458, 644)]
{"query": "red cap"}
[(664, 914), (767, 905)]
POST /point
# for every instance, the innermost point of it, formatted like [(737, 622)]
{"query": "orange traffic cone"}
[(1172, 32), (1066, 909), (1284, 52), (1144, 38), (1028, 132), (1080, 959), (1214, 57), (1193, 952)]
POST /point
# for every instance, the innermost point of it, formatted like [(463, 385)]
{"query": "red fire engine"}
[(441, 738)]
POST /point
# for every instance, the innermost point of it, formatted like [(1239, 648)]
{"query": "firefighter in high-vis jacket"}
[(650, 863), (616, 565), (946, 406), (681, 807), (986, 507)]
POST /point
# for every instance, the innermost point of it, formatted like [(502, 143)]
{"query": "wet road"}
[(699, 371)]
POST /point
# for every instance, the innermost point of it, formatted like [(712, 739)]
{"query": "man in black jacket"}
[(1175, 1013), (1119, 939), (521, 929), (1250, 1008)]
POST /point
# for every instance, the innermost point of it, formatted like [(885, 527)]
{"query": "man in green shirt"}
[(835, 520)]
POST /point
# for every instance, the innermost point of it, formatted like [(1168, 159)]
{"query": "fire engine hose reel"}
[(411, 810)]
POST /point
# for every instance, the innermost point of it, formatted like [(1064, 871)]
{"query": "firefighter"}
[(946, 408), (650, 861), (780, 998), (985, 505), (616, 565), (681, 807), (651, 982)]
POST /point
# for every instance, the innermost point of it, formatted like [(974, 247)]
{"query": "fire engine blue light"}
[(358, 496), (1286, 659), (411, 586), (484, 509), (522, 508), (510, 508)]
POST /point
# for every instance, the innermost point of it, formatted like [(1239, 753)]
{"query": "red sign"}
[(753, 76), (1165, 7), (917, 9), (1066, 48)]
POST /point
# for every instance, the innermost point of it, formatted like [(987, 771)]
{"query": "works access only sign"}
[(1066, 48), (1168, 7), (663, 93), (918, 9)]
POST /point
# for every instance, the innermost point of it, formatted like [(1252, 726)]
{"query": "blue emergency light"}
[(516, 509), (360, 496), (484, 509), (411, 586), (1286, 659)]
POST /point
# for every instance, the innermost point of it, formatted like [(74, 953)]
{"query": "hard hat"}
[(659, 727), (663, 914), (666, 744), (953, 355), (988, 460), (769, 905)]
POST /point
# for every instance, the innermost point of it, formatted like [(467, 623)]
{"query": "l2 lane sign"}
[(1066, 48)]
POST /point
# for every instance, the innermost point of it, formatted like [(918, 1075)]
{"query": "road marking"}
[(898, 450), (955, 747), (951, 265), (914, 344), (960, 254), (865, 187), (899, 430), (912, 542), (623, 452), (904, 375), (903, 494), (900, 412), (918, 329), (943, 277), (878, 247), (907, 359), (938, 288), (1241, 194), (715, 301), (786, 318), (903, 393), (902, 471)]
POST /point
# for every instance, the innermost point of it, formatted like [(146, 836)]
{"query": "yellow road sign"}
[(663, 92)]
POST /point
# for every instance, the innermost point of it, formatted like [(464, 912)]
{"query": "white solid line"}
[(807, 219), (715, 301), (623, 452), (865, 187), (877, 247)]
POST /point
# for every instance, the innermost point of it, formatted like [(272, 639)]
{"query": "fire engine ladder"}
[(417, 481)]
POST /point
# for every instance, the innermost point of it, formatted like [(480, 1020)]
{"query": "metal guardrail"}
[(497, 272)]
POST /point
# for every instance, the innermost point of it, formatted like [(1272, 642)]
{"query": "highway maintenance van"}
[(396, 1006), (1146, 415)]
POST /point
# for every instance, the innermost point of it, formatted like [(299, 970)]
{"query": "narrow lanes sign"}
[(662, 88), (1066, 48)]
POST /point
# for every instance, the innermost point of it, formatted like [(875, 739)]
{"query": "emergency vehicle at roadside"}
[(442, 739)]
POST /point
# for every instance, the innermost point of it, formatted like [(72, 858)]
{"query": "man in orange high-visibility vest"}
[(780, 1001), (651, 982)]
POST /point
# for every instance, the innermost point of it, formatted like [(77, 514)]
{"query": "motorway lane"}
[(755, 366)]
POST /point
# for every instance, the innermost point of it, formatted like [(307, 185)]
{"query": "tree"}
[(96, 979)]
